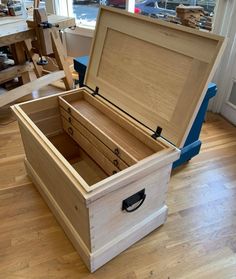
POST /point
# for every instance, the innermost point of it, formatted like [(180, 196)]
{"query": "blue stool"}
[(192, 144)]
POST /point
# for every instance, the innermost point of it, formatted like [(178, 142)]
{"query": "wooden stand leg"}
[(34, 57), (36, 4), (19, 57), (61, 59)]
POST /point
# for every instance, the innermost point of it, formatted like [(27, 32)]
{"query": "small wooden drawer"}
[(116, 148), (90, 149), (120, 164), (120, 140)]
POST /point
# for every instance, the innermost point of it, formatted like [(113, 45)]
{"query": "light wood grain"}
[(145, 67), (143, 167), (38, 146), (15, 29), (197, 241), (88, 168), (43, 42), (95, 141), (17, 34), (121, 117), (15, 71), (19, 58), (63, 219), (14, 33), (61, 22), (103, 126), (34, 57), (101, 205), (27, 88), (90, 149), (60, 56), (106, 212), (58, 188), (61, 183)]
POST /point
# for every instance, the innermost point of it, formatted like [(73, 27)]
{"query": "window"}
[(29, 3), (86, 11)]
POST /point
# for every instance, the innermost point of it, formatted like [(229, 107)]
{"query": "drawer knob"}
[(70, 131), (117, 151), (115, 162), (69, 119), (133, 202), (69, 110)]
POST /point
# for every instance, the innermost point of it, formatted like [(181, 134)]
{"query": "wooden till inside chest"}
[(94, 139)]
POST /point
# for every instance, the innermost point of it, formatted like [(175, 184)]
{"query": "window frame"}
[(65, 8)]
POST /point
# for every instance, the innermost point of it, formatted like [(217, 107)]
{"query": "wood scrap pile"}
[(194, 17)]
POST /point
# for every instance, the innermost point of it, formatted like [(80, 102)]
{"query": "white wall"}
[(226, 26), (78, 42)]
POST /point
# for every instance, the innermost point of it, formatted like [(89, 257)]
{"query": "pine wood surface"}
[(114, 131), (146, 67), (197, 241)]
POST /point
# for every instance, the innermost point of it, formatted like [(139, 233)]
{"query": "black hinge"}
[(157, 133), (96, 91)]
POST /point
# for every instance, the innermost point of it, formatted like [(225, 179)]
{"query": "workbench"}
[(13, 32), (16, 33)]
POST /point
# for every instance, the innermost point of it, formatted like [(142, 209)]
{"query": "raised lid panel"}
[(155, 71)]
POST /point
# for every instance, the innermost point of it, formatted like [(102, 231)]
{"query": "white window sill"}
[(82, 30)]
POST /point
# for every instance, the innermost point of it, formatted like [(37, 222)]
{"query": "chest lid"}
[(155, 71)]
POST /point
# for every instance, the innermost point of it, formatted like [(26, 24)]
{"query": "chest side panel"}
[(109, 222), (57, 183)]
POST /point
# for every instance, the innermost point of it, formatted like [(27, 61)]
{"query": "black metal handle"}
[(138, 198), (69, 119), (117, 151), (69, 110), (70, 131), (115, 162)]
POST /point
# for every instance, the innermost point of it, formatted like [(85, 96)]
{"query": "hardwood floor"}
[(198, 240)]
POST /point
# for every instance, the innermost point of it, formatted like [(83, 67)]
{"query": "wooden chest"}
[(101, 156)]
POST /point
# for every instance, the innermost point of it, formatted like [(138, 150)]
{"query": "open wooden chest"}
[(101, 155)]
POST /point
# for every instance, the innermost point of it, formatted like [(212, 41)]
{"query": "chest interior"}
[(93, 138), (145, 81)]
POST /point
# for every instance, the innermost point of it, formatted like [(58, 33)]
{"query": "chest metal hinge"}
[(96, 91), (157, 133)]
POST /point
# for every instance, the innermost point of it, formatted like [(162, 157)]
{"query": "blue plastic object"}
[(192, 144), (80, 65)]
